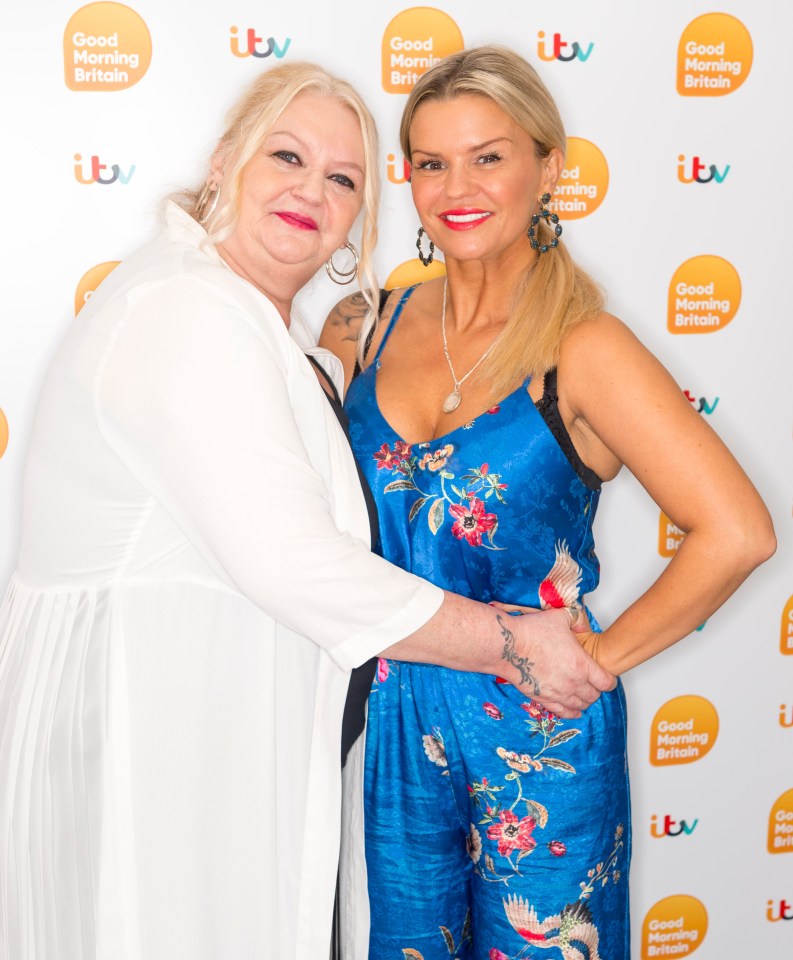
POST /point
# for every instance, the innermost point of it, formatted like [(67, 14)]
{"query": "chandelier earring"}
[(207, 203), (343, 277), (431, 255), (551, 219)]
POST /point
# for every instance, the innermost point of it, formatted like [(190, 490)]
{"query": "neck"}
[(279, 294), (481, 292)]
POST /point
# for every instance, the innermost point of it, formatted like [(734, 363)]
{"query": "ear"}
[(553, 165)]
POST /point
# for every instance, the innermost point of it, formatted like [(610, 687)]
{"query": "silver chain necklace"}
[(452, 401)]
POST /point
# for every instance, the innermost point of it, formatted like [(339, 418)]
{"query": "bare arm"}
[(538, 654), (342, 329), (626, 408)]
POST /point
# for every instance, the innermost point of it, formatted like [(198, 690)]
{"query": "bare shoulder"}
[(602, 355), (343, 326)]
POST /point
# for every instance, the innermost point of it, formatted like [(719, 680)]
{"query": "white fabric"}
[(169, 737)]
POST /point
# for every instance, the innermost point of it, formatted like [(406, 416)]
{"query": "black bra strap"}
[(548, 406)]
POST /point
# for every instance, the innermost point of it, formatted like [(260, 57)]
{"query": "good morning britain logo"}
[(3, 433), (415, 40), (674, 927), (683, 730), (786, 630), (704, 295), (584, 181), (106, 47), (780, 824), (89, 281), (714, 56)]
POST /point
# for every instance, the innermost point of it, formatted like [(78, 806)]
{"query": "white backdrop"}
[(711, 805)]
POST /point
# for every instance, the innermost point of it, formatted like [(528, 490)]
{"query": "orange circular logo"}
[(674, 927), (683, 731), (714, 56), (106, 46), (670, 536), (786, 630), (413, 271), (780, 825), (583, 183), (89, 281), (414, 41), (3, 433), (704, 295)]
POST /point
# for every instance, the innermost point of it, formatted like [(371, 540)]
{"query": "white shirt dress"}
[(194, 586)]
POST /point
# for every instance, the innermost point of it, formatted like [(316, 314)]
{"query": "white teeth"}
[(465, 217)]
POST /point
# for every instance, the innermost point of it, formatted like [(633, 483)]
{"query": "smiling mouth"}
[(474, 217), (296, 220)]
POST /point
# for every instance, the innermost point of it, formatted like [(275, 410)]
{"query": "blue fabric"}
[(494, 829)]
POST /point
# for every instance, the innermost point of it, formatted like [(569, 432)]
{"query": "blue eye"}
[(342, 180), (287, 156)]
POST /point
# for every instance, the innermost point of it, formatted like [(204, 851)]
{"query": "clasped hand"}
[(550, 660)]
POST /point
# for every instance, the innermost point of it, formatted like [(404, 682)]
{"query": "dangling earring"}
[(334, 273), (546, 215), (431, 255), (205, 207)]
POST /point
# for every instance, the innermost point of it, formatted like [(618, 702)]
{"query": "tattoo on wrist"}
[(522, 664)]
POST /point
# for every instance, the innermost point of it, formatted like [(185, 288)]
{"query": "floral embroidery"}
[(557, 848), (455, 950), (512, 833), (396, 459), (573, 926), (471, 522), (494, 409), (492, 710), (437, 460), (465, 503), (473, 844), (434, 748), (382, 669)]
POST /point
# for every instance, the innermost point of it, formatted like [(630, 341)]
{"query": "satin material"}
[(493, 828)]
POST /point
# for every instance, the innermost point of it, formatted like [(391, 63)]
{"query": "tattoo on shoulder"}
[(522, 664), (348, 316)]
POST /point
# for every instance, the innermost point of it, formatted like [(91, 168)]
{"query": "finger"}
[(601, 678), (560, 710)]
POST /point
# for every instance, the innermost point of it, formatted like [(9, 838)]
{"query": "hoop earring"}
[(205, 207), (546, 215), (431, 255), (334, 273)]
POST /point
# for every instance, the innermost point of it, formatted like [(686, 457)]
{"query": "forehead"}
[(468, 114), (319, 115)]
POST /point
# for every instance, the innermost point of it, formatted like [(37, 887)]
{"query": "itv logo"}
[(96, 169), (249, 46)]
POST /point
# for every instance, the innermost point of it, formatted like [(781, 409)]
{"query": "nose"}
[(459, 181), (310, 187)]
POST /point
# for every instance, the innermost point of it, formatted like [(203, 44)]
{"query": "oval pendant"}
[(452, 402)]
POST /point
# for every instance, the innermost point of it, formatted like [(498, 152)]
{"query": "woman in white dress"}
[(195, 583)]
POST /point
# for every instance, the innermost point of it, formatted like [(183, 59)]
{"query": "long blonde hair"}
[(555, 295), (247, 125)]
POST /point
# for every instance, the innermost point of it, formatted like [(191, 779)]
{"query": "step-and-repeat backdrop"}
[(675, 196)]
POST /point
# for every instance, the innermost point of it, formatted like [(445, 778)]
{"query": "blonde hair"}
[(247, 125), (555, 295)]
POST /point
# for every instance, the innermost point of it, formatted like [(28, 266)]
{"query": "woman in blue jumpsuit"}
[(491, 405)]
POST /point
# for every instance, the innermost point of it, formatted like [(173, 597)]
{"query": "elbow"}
[(756, 541)]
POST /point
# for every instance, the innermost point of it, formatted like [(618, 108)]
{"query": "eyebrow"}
[(472, 149), (304, 145)]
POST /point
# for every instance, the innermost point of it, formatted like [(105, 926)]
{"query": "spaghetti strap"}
[(394, 317)]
